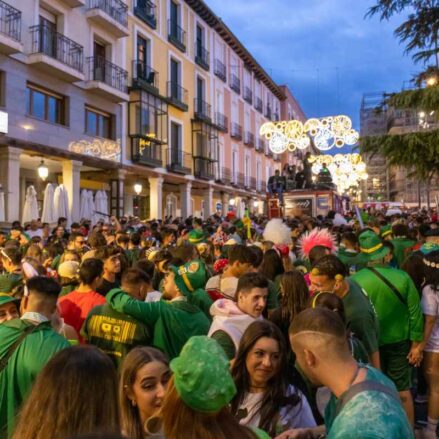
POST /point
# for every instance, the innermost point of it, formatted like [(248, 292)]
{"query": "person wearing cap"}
[(363, 402), (68, 277), (402, 243), (116, 333), (386, 232), (37, 343), (198, 395), (232, 317), (197, 236), (176, 318), (397, 305), (348, 252), (329, 274), (432, 236), (9, 308)]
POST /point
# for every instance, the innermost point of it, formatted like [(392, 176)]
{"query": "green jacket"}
[(173, 322), (114, 333), (353, 261), (23, 366), (398, 321), (402, 247)]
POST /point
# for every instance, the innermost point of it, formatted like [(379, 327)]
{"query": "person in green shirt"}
[(9, 307), (349, 254), (402, 244), (397, 305), (116, 333), (176, 318), (37, 343), (12, 280), (363, 403), (329, 274)]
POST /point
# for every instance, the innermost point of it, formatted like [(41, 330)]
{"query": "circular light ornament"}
[(294, 129), (278, 143), (324, 140), (352, 137), (303, 142)]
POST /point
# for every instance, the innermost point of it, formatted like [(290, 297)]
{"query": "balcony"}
[(224, 176), (112, 15), (236, 131), (221, 122), (176, 35), (248, 95), (276, 117), (202, 57), (202, 110), (106, 79), (73, 3), (268, 152), (146, 11), (260, 144), (204, 168), (235, 83), (238, 180), (145, 77), (249, 139), (179, 161), (251, 183), (258, 104), (56, 55), (146, 153), (220, 70), (267, 112), (177, 96), (10, 29)]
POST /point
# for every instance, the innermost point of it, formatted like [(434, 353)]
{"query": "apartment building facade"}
[(109, 94)]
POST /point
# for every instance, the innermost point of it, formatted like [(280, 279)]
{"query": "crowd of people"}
[(222, 328)]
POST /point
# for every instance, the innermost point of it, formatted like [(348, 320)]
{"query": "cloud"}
[(324, 50)]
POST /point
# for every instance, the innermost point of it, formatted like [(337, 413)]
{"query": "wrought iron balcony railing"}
[(258, 104), (220, 70), (146, 11), (235, 83), (116, 9), (202, 56), (204, 168), (177, 95), (202, 110), (57, 46), (236, 131), (249, 139), (248, 95), (99, 69), (222, 122), (176, 35), (178, 161), (145, 75), (10, 21)]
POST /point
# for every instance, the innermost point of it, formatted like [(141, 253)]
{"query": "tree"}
[(419, 32)]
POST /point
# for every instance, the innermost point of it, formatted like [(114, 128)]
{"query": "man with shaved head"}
[(364, 402)]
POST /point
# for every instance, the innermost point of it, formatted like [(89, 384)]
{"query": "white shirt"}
[(430, 307), (298, 416), (32, 233)]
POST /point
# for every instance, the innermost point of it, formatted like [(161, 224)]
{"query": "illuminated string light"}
[(326, 133)]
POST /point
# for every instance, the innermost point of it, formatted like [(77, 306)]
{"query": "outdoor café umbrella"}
[(30, 210), (61, 202), (49, 214)]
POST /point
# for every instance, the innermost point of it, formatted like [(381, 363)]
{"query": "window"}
[(45, 105), (175, 137), (98, 124)]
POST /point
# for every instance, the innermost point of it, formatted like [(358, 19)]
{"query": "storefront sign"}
[(3, 122), (299, 206), (98, 148)]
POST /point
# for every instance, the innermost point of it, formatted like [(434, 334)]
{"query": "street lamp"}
[(232, 201), (256, 203), (43, 171)]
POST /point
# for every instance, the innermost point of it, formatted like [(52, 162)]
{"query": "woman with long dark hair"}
[(264, 398), (144, 376), (272, 266), (74, 394)]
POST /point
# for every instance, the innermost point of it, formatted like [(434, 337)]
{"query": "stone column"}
[(225, 198), (10, 181), (186, 199), (208, 202), (71, 175), (156, 197)]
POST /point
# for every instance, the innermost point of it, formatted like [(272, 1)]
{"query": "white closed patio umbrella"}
[(61, 202), (90, 206), (30, 210), (2, 205), (49, 214), (101, 206)]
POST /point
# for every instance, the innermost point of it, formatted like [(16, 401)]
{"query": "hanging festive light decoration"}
[(347, 170), (326, 133)]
